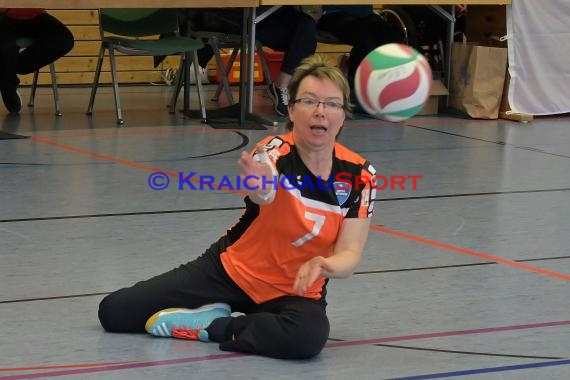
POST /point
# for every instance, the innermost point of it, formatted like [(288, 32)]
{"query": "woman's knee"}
[(307, 24), (117, 314), (62, 41), (314, 341), (109, 312), (307, 339), (68, 41), (296, 342)]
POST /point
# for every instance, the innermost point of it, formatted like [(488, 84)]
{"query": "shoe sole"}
[(152, 320), (279, 112)]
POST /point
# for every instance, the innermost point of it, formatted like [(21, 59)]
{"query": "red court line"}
[(143, 364), (62, 366), (132, 365), (121, 161), (448, 333), (480, 255), (103, 157)]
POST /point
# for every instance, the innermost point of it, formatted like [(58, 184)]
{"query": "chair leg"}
[(266, 72), (199, 86), (120, 120), (55, 90), (178, 87), (220, 68), (33, 90), (96, 80), (224, 84)]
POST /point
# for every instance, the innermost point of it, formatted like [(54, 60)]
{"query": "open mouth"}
[(318, 128)]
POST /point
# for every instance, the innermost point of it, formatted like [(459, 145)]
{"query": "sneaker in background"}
[(280, 96), (186, 323)]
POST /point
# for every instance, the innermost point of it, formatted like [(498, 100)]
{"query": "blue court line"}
[(442, 375)]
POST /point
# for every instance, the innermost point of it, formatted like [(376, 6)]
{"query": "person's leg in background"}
[(219, 20), (52, 40), (288, 30), (293, 32), (8, 60), (372, 32), (363, 33)]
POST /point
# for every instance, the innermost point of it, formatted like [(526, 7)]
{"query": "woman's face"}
[(316, 124)]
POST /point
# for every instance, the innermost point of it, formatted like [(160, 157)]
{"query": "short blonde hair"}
[(316, 66)]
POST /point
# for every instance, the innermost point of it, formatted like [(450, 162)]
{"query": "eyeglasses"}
[(328, 105)]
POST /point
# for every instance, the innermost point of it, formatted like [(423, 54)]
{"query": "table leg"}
[(186, 76), (449, 16), (242, 111), (247, 26)]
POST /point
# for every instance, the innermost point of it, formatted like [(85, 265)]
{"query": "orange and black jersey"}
[(269, 243)]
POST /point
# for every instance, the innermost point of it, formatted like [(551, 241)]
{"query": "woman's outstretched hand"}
[(309, 272)]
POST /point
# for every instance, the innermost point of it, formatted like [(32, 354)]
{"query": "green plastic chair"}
[(129, 31), (24, 43)]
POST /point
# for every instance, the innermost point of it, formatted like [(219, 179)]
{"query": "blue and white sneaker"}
[(186, 323)]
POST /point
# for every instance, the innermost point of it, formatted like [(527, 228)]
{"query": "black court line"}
[(86, 216), (11, 136), (498, 142), (458, 265), (54, 297), (355, 273), (550, 258), (473, 194), (23, 164), (244, 142), (468, 352)]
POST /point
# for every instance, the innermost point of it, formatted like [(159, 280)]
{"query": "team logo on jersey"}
[(342, 191)]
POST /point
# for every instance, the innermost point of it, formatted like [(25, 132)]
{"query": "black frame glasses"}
[(311, 103)]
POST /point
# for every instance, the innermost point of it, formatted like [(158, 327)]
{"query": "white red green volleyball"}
[(393, 82)]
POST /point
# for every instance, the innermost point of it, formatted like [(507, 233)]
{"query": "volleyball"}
[(393, 82)]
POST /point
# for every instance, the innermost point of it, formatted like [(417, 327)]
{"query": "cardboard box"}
[(432, 105), (484, 22)]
